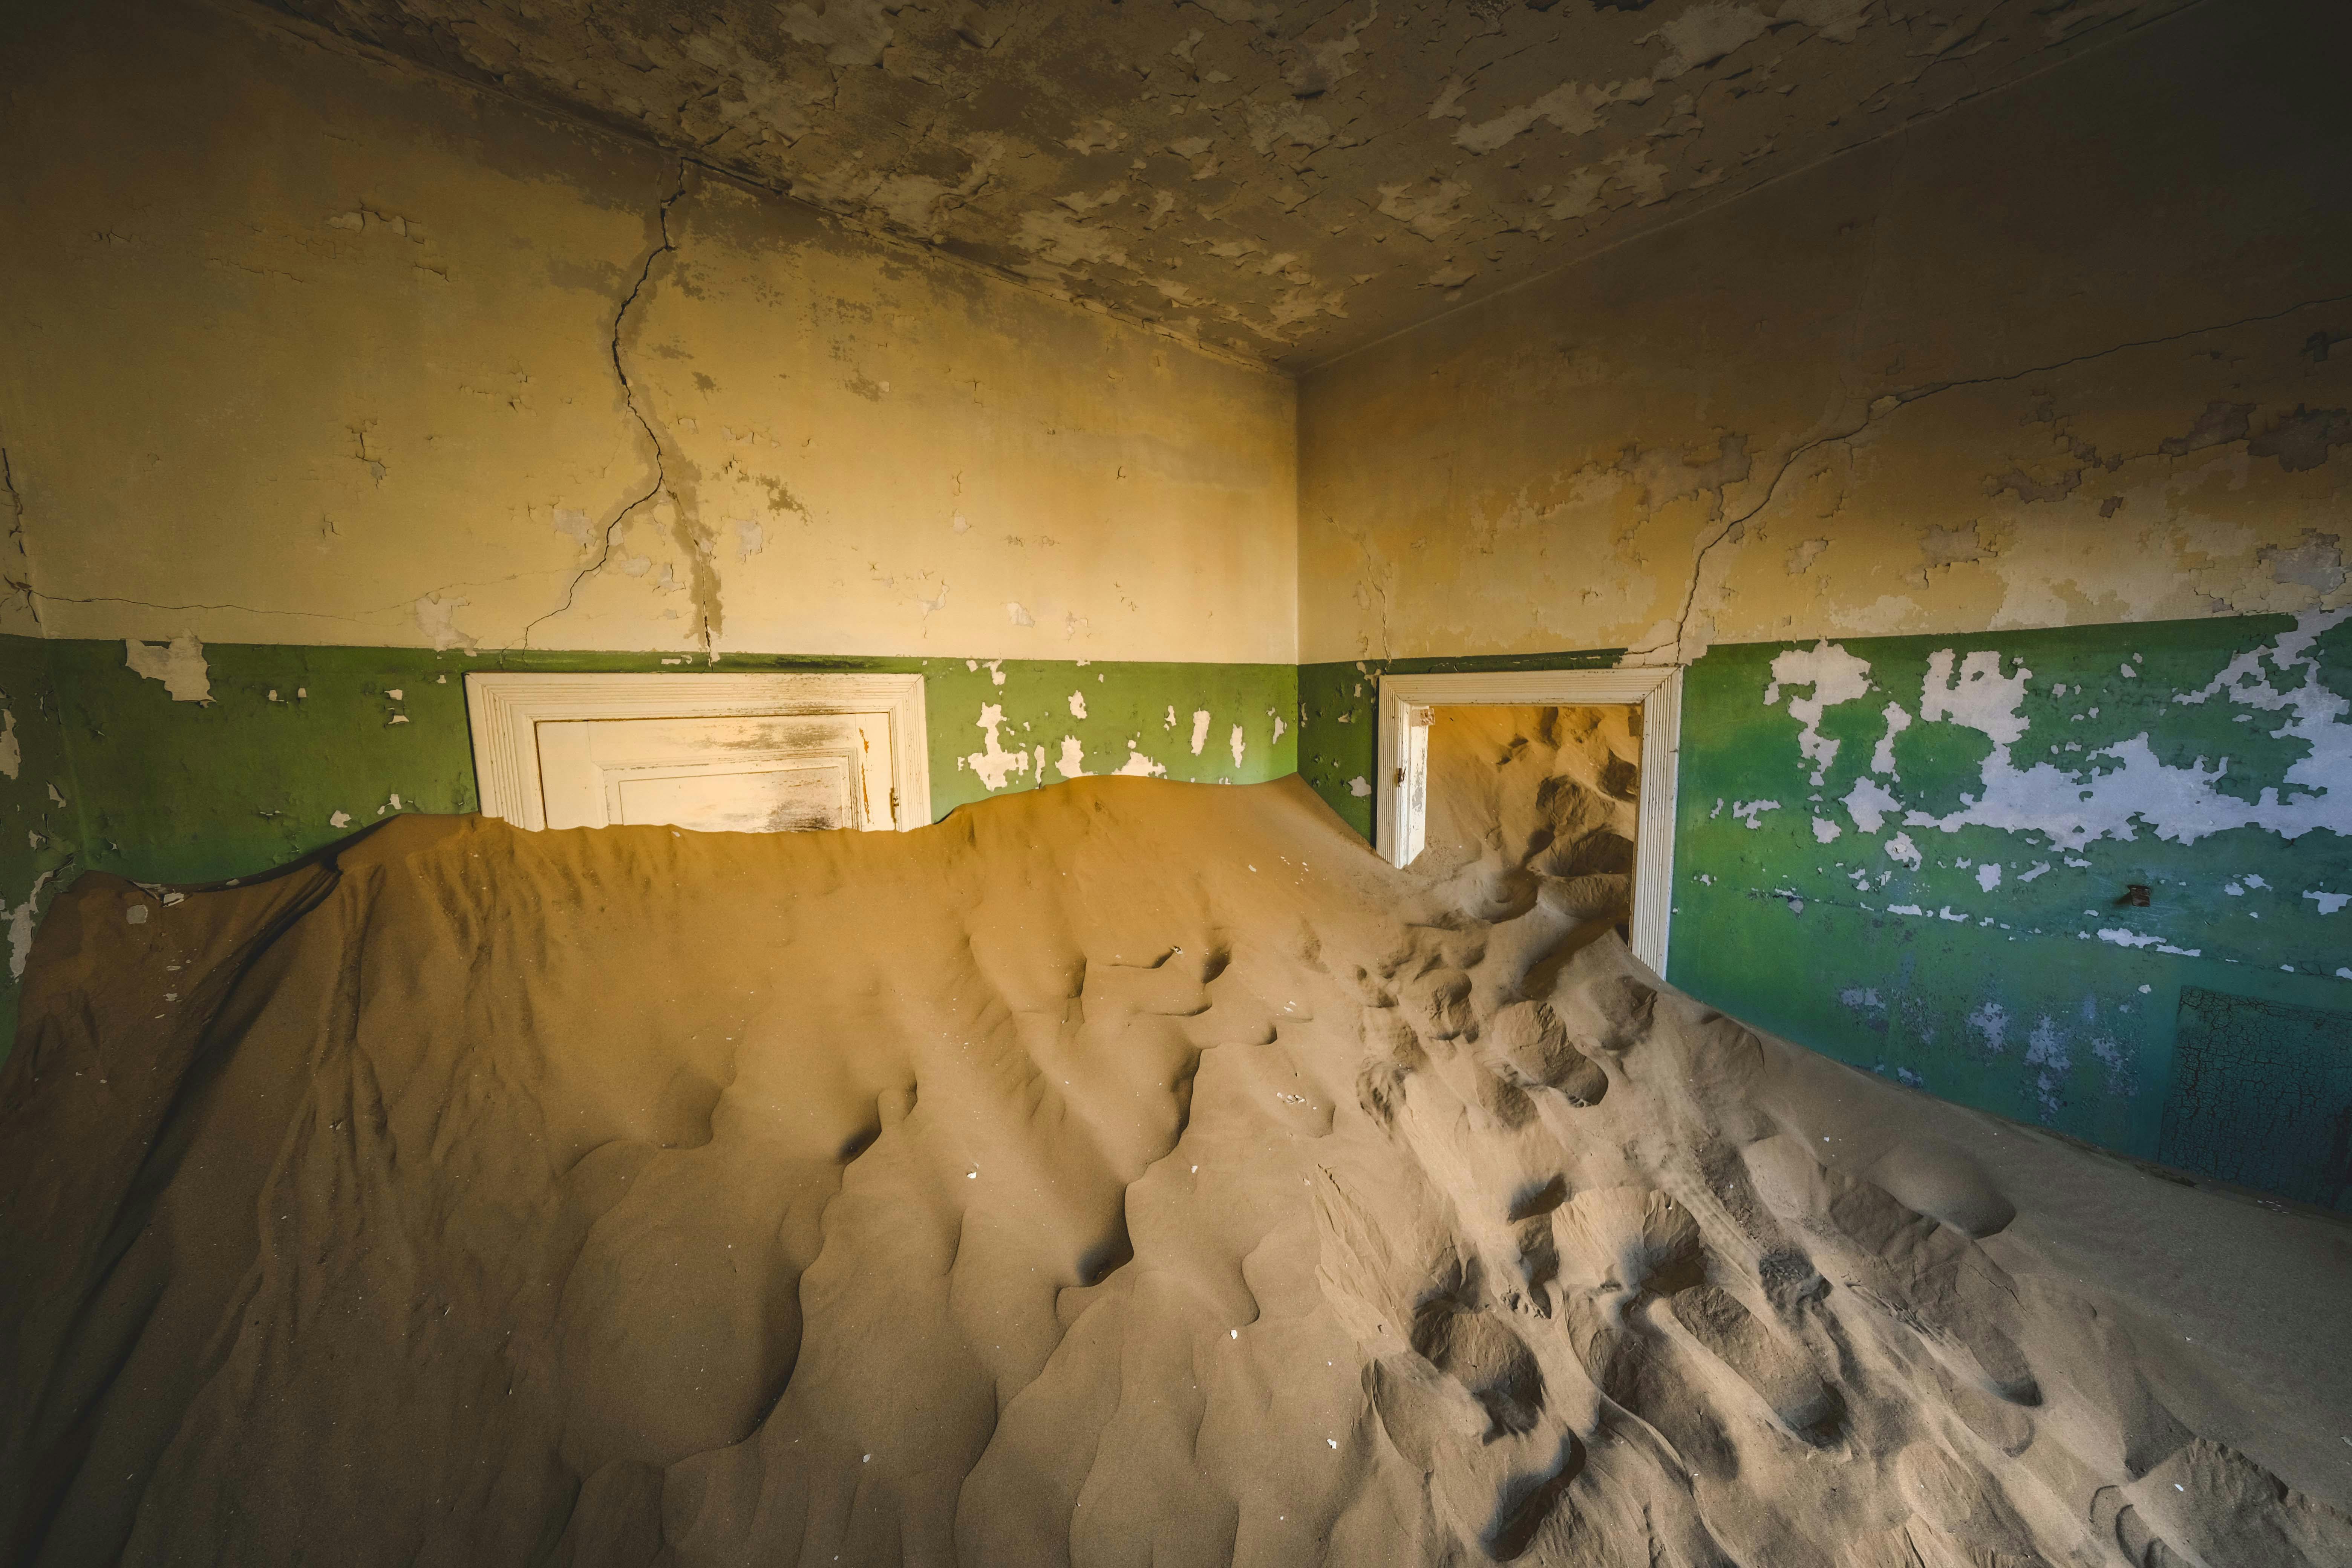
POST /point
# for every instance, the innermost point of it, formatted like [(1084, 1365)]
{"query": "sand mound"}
[(1123, 1172)]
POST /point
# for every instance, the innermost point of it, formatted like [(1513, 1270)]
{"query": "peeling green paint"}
[(1890, 943), (39, 826), (298, 747), (2005, 965), (296, 738)]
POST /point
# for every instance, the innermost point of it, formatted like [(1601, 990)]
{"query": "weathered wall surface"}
[(2075, 353), (319, 351), (2077, 356), (1285, 180), (294, 748), (328, 380), (39, 816), (1918, 854)]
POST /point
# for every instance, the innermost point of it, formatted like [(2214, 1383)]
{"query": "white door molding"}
[(505, 711), (1401, 804)]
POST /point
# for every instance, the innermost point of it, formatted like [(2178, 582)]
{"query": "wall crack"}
[(1889, 402), (629, 397)]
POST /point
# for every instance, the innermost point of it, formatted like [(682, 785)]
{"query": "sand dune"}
[(1124, 1173)]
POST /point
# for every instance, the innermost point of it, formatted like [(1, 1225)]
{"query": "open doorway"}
[(1564, 775)]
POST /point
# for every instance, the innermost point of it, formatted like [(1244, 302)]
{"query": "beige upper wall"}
[(307, 348), (1825, 399)]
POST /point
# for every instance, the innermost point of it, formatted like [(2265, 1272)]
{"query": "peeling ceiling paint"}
[(1286, 181)]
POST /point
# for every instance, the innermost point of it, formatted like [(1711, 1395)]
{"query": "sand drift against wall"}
[(1122, 1173)]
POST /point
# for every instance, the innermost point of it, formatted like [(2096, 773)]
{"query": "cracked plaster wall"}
[(316, 349), (2056, 386), (2067, 355)]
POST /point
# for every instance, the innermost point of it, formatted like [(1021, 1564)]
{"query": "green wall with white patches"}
[(297, 747), (293, 748), (1929, 875), (1935, 895)]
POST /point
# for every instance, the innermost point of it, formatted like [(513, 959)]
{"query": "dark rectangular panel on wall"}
[(2262, 1095)]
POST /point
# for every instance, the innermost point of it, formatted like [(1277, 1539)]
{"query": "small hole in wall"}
[(2135, 897)]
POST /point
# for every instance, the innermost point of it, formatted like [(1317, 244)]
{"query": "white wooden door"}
[(731, 773)]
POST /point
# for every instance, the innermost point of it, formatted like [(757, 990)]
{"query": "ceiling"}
[(1286, 181)]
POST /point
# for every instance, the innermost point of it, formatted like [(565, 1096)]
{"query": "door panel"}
[(734, 774)]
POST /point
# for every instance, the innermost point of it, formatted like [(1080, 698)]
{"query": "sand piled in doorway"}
[(1533, 804), (1121, 1173)]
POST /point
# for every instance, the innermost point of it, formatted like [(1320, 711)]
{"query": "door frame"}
[(1401, 804), (504, 709)]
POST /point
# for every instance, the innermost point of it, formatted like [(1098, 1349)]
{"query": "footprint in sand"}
[(1776, 1370)]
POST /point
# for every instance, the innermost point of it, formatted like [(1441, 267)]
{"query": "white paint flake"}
[(178, 664), (1278, 726), (1989, 876), (20, 925), (1982, 699), (2123, 789), (1991, 1024), (2328, 903), (1078, 704), (996, 671), (1360, 787), (341, 819), (2181, 804), (1749, 811), (574, 525), (1199, 729), (1870, 804), (1073, 758), (1900, 848), (1238, 744), (1836, 677), (11, 751), (1139, 766), (992, 764), (1824, 830), (2124, 936), (436, 617), (1882, 761)]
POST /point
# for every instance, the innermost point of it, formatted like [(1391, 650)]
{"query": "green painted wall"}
[(1863, 914), (1931, 893), (294, 748), (1339, 718), (1940, 895), (298, 747), (39, 825)]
